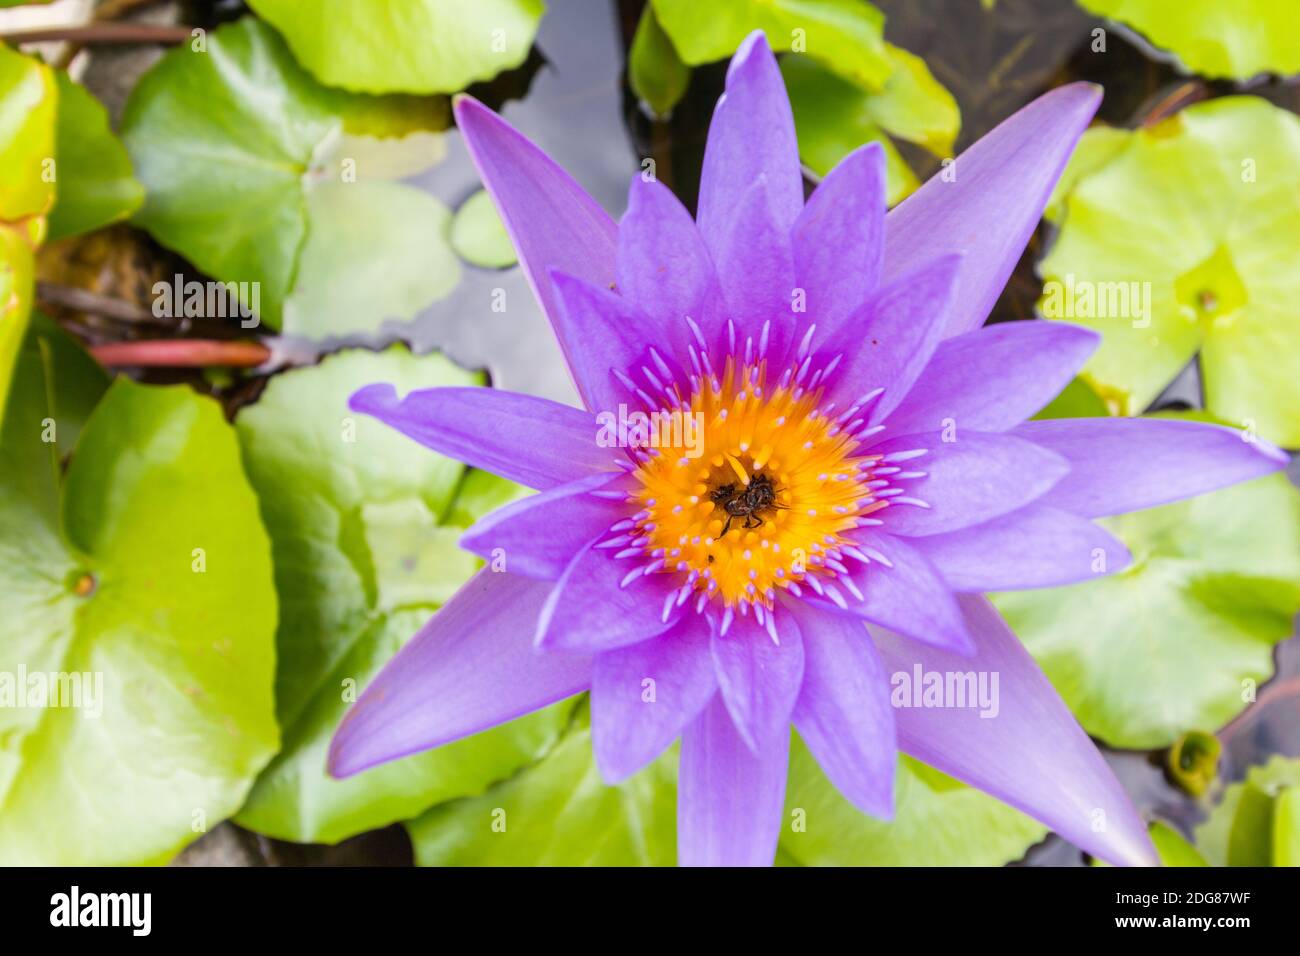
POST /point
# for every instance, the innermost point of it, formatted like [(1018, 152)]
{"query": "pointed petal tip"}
[(465, 106), (371, 398), (755, 44)]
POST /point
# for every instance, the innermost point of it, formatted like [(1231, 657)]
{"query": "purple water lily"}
[(849, 466)]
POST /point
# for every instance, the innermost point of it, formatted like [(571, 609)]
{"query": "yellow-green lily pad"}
[(1183, 238)]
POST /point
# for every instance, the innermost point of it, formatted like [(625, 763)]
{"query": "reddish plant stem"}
[(182, 353), (101, 33)]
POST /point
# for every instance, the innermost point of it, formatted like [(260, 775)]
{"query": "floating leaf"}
[(938, 821), (833, 117), (342, 285), (95, 183), (478, 235), (413, 46), (558, 812), (27, 116), (654, 70), (1233, 40), (253, 172), (16, 286), (1167, 644), (1243, 830), (846, 35), (1077, 400), (155, 616), (28, 110), (364, 554), (1185, 238)]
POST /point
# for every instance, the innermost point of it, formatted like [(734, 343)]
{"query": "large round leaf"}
[(846, 35), (1181, 637), (27, 117), (558, 812), (28, 101), (415, 46), (253, 172), (359, 517), (1185, 237), (153, 613), (833, 117), (938, 821), (1235, 40), (96, 185)]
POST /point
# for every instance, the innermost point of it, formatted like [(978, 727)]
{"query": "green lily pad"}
[(364, 553), (343, 286), (1181, 238), (1255, 824), (558, 812), (1232, 40), (1181, 638), (28, 99), (411, 46), (654, 70), (28, 111), (17, 271), (938, 821), (1077, 400), (833, 117), (258, 174), (95, 184), (144, 586), (846, 35), (478, 235)]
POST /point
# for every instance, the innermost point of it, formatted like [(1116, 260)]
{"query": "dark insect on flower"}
[(759, 495)]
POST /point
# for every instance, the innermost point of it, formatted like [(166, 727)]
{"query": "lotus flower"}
[(862, 469)]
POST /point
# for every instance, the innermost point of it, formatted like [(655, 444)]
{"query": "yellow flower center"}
[(766, 501)]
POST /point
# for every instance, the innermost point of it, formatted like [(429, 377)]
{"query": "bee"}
[(747, 501)]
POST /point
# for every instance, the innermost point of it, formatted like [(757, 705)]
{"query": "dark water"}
[(570, 97)]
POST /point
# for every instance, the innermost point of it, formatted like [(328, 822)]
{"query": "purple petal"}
[(1035, 547), (534, 441), (629, 730), (759, 679), (888, 341), (969, 481), (907, 595), (663, 266), (993, 378), (551, 220), (843, 713), (540, 535), (839, 237), (756, 269), (751, 137), (988, 201), (1032, 754), (1124, 464), (730, 801), (600, 332), (471, 667), (590, 611)]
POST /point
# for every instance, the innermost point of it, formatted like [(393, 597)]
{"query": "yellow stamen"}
[(819, 482)]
